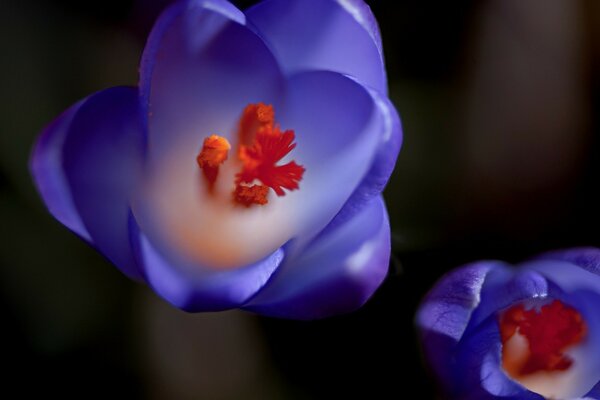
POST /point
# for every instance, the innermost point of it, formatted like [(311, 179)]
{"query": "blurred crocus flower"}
[(246, 169), (491, 331)]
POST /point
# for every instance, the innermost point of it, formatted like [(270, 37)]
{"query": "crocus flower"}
[(246, 169), (491, 331)]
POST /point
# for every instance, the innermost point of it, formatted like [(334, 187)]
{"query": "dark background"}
[(500, 106)]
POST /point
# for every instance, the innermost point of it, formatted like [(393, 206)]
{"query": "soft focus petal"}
[(585, 372), (382, 166), (568, 275), (102, 160), (46, 166), (594, 393), (200, 68), (337, 274), (506, 286), (478, 373), (363, 15), (338, 129), (587, 258), (195, 289), (445, 313), (574, 268), (339, 36)]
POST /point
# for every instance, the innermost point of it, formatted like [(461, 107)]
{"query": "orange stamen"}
[(249, 195), (260, 158), (549, 332), (214, 153)]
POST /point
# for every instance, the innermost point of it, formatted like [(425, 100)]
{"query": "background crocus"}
[(183, 183), (491, 331)]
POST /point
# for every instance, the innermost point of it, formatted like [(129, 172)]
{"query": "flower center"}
[(535, 341), (262, 145)]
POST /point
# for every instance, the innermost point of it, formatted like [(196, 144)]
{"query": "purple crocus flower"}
[(491, 331), (246, 169)]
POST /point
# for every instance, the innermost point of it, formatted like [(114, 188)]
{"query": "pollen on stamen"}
[(548, 332), (214, 152), (249, 195)]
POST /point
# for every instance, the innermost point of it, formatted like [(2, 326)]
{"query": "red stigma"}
[(269, 145), (549, 333)]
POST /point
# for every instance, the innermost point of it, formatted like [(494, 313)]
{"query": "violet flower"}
[(490, 331), (246, 169)]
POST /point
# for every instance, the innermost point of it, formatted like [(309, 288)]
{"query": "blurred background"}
[(500, 102)]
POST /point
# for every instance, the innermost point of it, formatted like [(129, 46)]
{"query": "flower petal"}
[(101, 159), (506, 286), (594, 394), (477, 370), (338, 129), (574, 268), (196, 288), (383, 164), (585, 371), (571, 269), (587, 258), (47, 171), (339, 36), (200, 68), (337, 274), (445, 312)]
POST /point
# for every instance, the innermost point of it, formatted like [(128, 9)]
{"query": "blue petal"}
[(48, 174), (338, 130), (195, 288), (506, 286), (383, 164), (200, 68), (587, 258), (477, 371), (444, 314), (571, 270), (594, 393), (102, 156), (336, 274), (340, 36), (588, 367)]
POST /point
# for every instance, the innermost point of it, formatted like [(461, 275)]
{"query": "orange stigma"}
[(214, 153), (262, 145), (549, 332)]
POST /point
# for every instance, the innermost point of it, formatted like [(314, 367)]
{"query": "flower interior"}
[(208, 199), (262, 145), (535, 343)]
